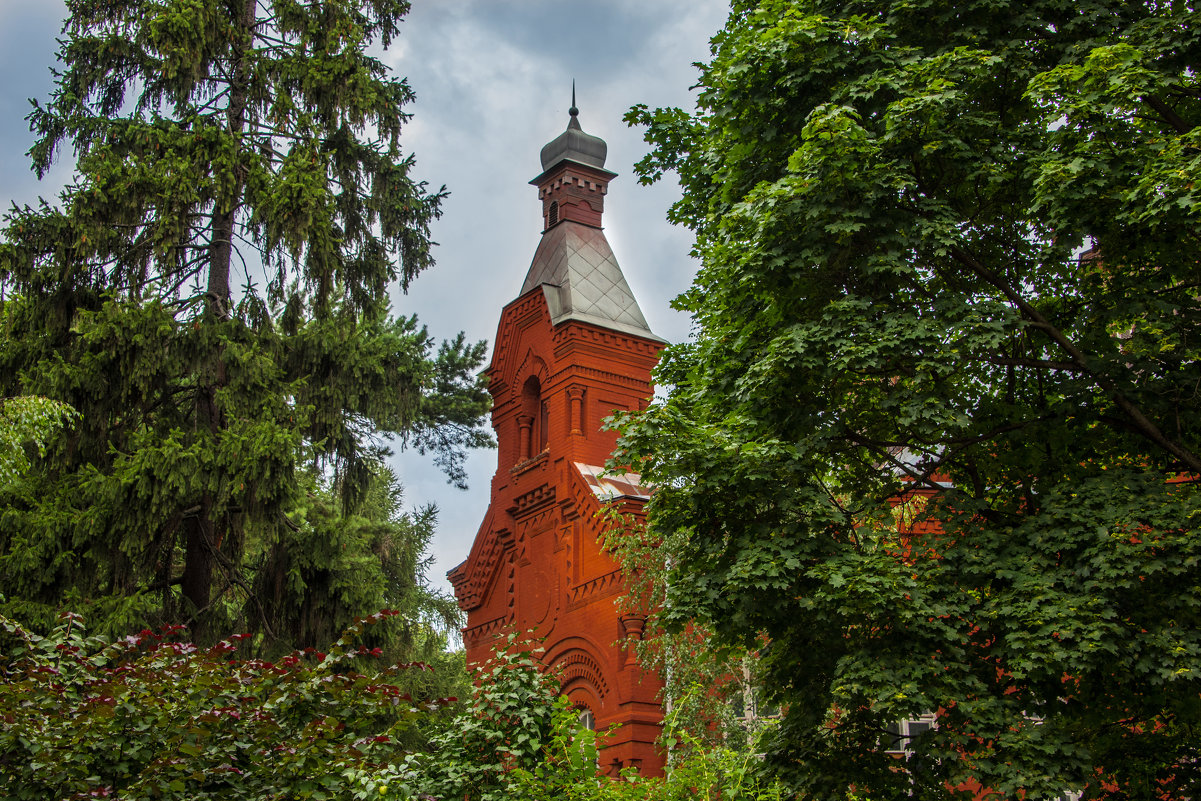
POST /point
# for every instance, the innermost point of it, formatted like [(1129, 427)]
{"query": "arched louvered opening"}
[(532, 420), (552, 214)]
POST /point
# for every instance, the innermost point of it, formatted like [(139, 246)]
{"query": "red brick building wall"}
[(569, 351)]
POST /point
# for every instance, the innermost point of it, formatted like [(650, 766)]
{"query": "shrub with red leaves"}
[(149, 716)]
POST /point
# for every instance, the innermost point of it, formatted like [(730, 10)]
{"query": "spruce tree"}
[(211, 295)]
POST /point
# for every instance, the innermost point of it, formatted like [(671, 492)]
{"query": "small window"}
[(552, 215), (587, 720), (919, 727), (900, 735), (894, 738)]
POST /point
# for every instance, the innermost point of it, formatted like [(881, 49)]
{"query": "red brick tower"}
[(570, 350)]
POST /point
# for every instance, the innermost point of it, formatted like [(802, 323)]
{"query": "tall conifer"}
[(211, 294)]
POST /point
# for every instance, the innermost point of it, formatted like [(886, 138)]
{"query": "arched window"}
[(587, 719), (552, 214)]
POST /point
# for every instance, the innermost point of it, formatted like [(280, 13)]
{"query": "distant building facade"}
[(571, 349)]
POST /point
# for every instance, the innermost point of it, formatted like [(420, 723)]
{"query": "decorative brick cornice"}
[(475, 634), (597, 374), (609, 339), (529, 464), (609, 584), (537, 523), (572, 180), (529, 502)]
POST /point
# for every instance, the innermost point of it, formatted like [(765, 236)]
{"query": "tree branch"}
[(1168, 114), (1143, 425)]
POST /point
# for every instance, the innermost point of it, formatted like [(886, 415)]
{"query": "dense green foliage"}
[(336, 564), (711, 688), (150, 717), (514, 726), (891, 199), (214, 140), (27, 422), (520, 741)]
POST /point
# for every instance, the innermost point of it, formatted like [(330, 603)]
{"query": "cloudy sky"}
[(493, 82)]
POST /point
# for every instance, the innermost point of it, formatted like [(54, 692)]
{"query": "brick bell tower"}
[(569, 351)]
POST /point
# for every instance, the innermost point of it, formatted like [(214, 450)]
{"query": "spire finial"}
[(573, 111)]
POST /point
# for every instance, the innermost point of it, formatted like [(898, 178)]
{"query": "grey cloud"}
[(27, 51)]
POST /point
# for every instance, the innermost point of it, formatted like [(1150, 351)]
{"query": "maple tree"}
[(937, 433)]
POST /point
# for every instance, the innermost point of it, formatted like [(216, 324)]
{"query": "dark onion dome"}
[(575, 145)]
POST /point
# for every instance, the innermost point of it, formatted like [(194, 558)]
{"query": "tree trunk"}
[(204, 532)]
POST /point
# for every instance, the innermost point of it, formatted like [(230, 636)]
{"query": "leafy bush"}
[(514, 728), (149, 717), (520, 741)]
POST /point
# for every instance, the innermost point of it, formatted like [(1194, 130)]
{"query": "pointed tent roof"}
[(573, 263), (581, 278)]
